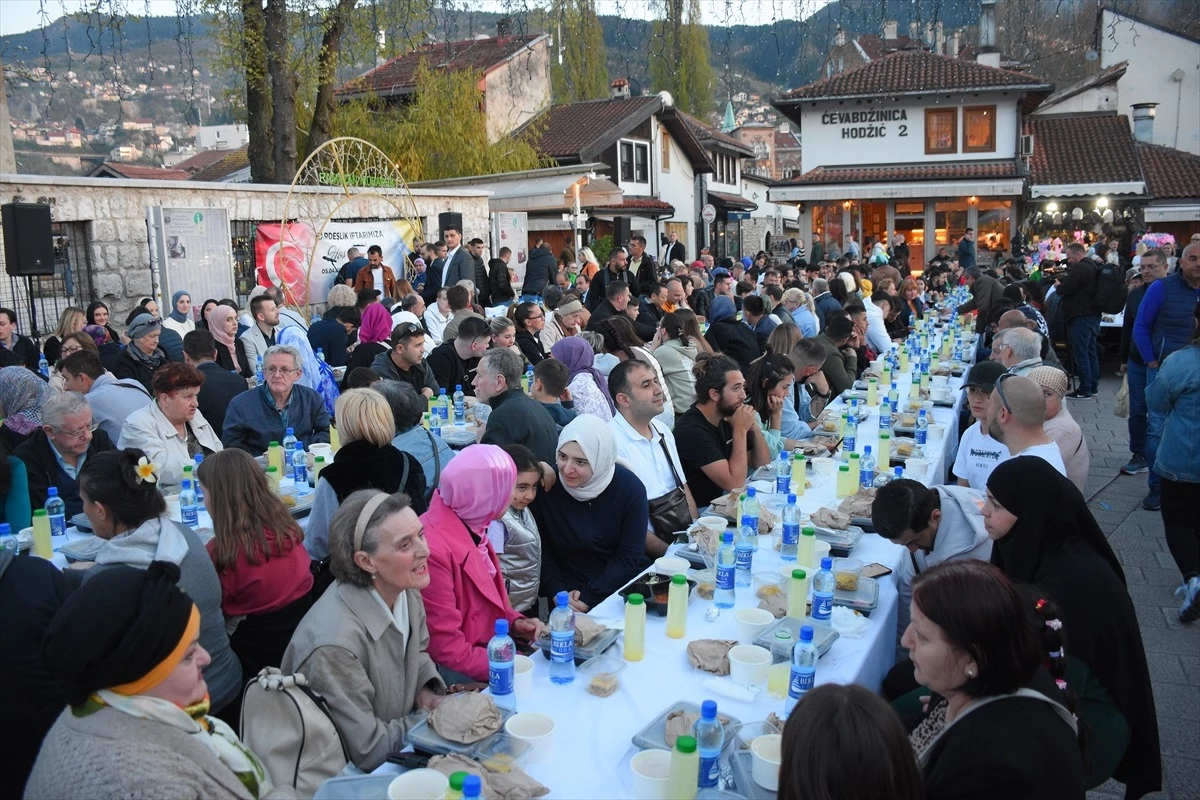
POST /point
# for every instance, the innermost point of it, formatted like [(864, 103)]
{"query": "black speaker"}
[(449, 219), (620, 231), (28, 243)]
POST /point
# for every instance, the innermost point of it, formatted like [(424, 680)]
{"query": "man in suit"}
[(642, 266), (436, 261), (459, 265), (483, 286), (220, 387), (376, 275), (674, 250)]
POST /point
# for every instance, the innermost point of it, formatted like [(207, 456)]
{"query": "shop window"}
[(979, 129), (941, 131), (995, 223), (950, 222), (827, 225), (635, 162)]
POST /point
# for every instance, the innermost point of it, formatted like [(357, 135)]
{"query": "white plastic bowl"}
[(651, 774), (767, 754), (748, 665)]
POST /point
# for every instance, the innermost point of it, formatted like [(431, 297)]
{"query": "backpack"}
[(289, 727), (1111, 293)]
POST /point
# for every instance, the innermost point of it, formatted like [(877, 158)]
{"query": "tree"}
[(577, 65), (416, 136), (679, 59)]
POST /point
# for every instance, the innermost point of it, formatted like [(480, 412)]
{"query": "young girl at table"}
[(520, 545)]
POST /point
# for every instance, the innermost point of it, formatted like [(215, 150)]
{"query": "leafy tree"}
[(679, 59), (579, 43), (414, 136)]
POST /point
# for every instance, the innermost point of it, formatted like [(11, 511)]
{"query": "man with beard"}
[(719, 438)]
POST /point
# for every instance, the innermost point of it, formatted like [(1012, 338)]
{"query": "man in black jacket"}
[(54, 454), (20, 346), (329, 334), (617, 297), (617, 270), (1078, 289), (539, 271), (498, 278), (642, 265), (674, 251), (516, 417), (220, 387), (483, 286)]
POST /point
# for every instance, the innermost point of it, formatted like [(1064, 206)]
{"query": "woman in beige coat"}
[(362, 645)]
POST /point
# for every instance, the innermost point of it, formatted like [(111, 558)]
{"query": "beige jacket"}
[(353, 655), (149, 429)]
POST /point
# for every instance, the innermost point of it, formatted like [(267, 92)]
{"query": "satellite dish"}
[(667, 100)]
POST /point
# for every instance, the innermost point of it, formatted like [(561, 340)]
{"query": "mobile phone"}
[(876, 570)]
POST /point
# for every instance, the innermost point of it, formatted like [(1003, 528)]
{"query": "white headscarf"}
[(595, 439)]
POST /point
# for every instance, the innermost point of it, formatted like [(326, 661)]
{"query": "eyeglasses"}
[(280, 370), (1000, 390), (79, 434)]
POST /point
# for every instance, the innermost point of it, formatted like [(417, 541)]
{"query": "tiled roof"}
[(785, 140), (914, 72), (581, 130), (201, 160), (138, 172), (1170, 173), (635, 205), (1110, 75), (732, 201), (1081, 149), (876, 47), (710, 135), (233, 161), (398, 75), (984, 170)]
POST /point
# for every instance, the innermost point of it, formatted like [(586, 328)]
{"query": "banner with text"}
[(284, 260)]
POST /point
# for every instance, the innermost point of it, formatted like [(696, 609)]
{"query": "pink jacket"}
[(462, 601)]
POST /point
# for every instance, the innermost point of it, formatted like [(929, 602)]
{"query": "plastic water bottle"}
[(289, 444), (562, 640), (885, 416), (300, 468), (195, 471), (321, 354), (7, 540), (527, 379), (823, 584), (188, 510), (750, 511), (258, 372), (804, 667), (894, 398), (460, 406), (898, 473), (472, 787), (502, 653), (435, 423), (743, 549), (710, 739), (922, 434), (778, 677), (866, 469), (43, 367), (783, 474), (790, 542), (850, 437), (56, 510), (726, 566), (443, 406)]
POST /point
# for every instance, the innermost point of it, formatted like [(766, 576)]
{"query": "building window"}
[(635, 162), (726, 169), (979, 129), (941, 131), (994, 226), (665, 158)]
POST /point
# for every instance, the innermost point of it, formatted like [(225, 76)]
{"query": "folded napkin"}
[(848, 623), (586, 630), (828, 518), (710, 655), (858, 505), (728, 688), (466, 718), (776, 604)]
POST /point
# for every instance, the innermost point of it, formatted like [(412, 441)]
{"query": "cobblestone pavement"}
[(1172, 649)]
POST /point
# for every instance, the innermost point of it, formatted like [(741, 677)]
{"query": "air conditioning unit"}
[(1027, 145)]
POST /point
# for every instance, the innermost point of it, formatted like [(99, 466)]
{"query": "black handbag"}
[(670, 514)]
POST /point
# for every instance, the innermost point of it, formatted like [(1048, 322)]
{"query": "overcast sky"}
[(17, 16)]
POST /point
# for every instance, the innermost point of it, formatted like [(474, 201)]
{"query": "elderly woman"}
[(1061, 426), (180, 319), (22, 394), (126, 650), (675, 350), (588, 387), (362, 645), (594, 520), (729, 336), (143, 355), (1046, 537), (171, 429), (231, 353), (366, 460), (126, 510), (411, 437), (261, 416), (466, 592), (996, 724)]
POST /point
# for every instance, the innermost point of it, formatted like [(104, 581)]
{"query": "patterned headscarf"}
[(579, 357), (22, 394)]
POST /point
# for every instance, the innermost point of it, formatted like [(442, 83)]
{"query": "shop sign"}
[(872, 123)]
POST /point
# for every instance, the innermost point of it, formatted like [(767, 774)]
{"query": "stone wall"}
[(115, 213)]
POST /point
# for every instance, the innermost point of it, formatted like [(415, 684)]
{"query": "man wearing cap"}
[(978, 452), (1016, 416), (1153, 268), (1061, 426)]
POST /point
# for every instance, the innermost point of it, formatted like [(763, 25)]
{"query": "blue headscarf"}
[(175, 315), (721, 308)]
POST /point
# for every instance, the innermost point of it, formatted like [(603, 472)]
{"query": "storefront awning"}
[(1007, 187), (551, 189), (731, 202), (649, 207), (1177, 212), (1087, 189)]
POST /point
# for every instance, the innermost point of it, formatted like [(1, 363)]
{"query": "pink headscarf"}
[(216, 326), (376, 324), (477, 485)]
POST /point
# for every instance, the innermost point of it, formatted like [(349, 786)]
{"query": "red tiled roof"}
[(140, 173), (233, 161), (876, 47), (1082, 148), (580, 130), (636, 204), (201, 160), (706, 134), (732, 201), (398, 75), (785, 140), (1110, 75), (984, 170), (1170, 173), (914, 72)]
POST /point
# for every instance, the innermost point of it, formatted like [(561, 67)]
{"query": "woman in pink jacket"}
[(466, 593)]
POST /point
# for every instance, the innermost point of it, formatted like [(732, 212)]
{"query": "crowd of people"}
[(621, 399)]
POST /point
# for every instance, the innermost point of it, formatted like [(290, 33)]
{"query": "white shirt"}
[(645, 457), (377, 278), (435, 322), (877, 336), (978, 455), (1049, 453)]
